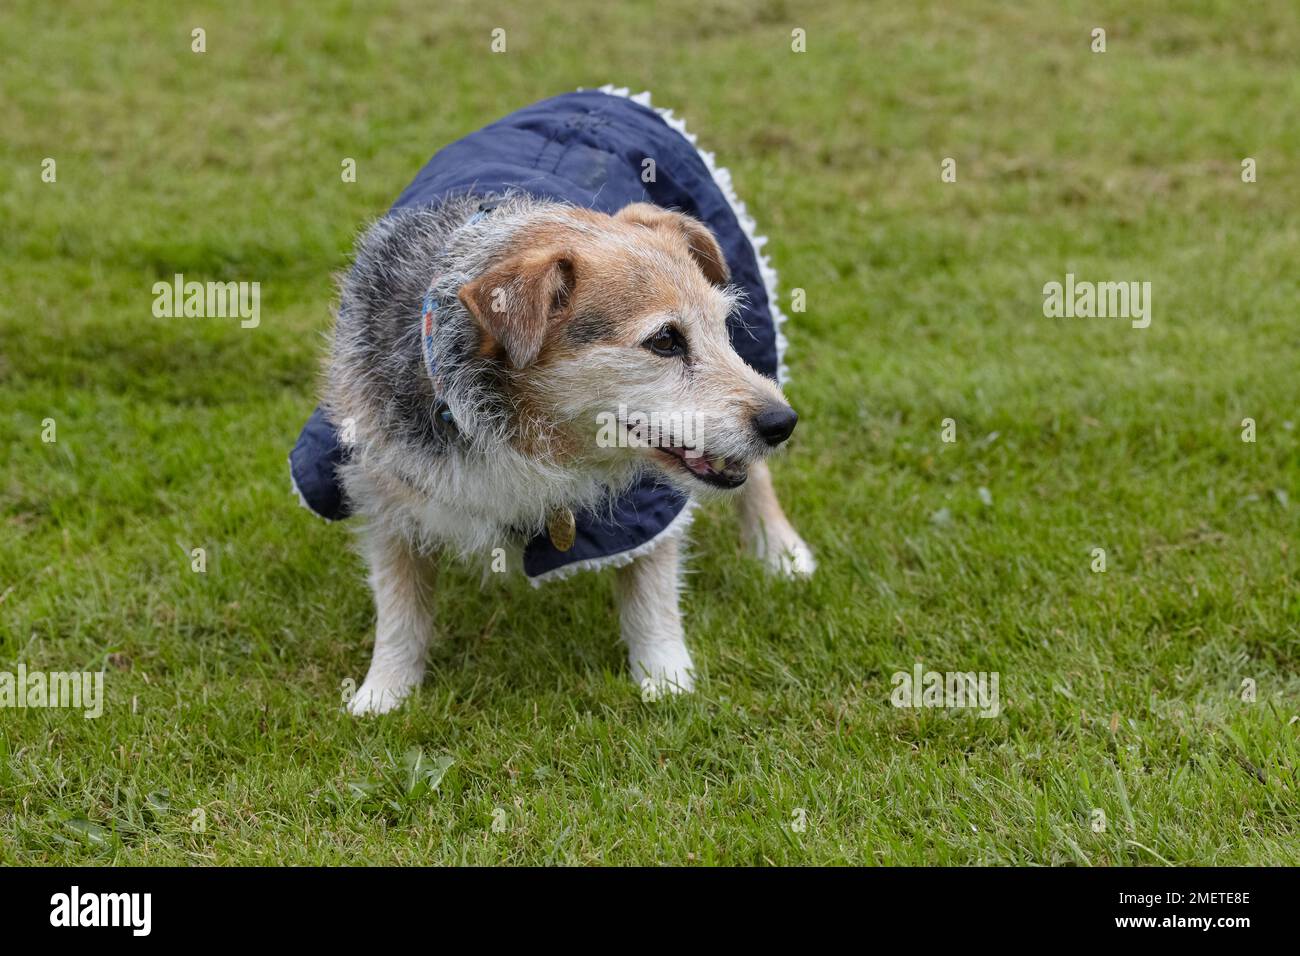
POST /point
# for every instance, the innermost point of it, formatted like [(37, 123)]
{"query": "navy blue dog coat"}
[(601, 150)]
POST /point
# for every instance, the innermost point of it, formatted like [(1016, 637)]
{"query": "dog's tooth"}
[(690, 454)]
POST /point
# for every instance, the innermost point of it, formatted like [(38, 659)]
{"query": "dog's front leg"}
[(651, 620), (402, 582), (766, 530)]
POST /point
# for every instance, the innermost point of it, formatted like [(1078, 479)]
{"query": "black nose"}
[(775, 423)]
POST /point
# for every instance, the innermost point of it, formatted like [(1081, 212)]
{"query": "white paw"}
[(663, 670), (785, 554), (796, 561), (379, 697)]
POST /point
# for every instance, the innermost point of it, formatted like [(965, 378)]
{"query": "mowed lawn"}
[(223, 740)]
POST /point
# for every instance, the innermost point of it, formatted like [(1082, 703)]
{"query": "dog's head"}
[(615, 332)]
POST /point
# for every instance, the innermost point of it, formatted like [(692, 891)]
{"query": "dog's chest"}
[(472, 504)]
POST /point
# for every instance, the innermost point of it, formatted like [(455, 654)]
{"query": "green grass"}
[(1120, 691)]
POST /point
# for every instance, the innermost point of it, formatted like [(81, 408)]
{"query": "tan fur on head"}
[(699, 240), (520, 300)]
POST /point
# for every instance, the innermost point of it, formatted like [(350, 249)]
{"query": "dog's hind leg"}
[(402, 581), (766, 530), (651, 620)]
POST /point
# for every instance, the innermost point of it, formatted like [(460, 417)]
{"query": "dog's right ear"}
[(516, 301)]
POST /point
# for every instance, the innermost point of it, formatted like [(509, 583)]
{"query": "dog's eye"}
[(667, 342)]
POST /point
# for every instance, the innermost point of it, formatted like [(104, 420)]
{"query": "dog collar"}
[(442, 417)]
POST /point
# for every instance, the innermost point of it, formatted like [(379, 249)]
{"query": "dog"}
[(542, 355)]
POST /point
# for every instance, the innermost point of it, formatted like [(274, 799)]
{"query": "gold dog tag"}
[(561, 528)]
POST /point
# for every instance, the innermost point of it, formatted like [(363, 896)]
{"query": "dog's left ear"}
[(516, 301), (700, 242)]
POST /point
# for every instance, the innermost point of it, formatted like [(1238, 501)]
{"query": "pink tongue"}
[(699, 465)]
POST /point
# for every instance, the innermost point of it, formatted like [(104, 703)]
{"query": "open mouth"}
[(712, 470)]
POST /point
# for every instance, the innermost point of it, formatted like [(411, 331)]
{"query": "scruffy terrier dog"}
[(484, 336)]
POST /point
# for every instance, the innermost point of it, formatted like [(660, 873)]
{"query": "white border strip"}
[(722, 179)]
